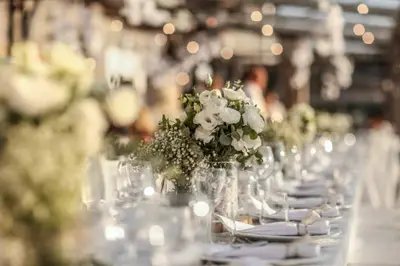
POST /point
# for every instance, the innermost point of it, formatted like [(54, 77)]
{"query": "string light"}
[(116, 25), (363, 9), (359, 29), (267, 30), (277, 48), (160, 39), (256, 16), (182, 78), (226, 53), (368, 38), (169, 28), (192, 47)]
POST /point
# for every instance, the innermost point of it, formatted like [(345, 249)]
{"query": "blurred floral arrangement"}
[(50, 123), (221, 125), (296, 129), (337, 123)]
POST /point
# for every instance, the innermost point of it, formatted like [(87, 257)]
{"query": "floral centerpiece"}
[(336, 123), (283, 131), (220, 125), (50, 124), (302, 117)]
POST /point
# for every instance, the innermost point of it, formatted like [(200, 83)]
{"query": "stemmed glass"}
[(219, 184), (135, 181)]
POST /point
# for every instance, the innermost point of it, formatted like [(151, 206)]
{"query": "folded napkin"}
[(273, 251), (300, 214), (320, 227), (301, 203), (308, 192)]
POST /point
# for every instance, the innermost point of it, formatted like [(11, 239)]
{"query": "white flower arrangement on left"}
[(49, 125), (36, 85)]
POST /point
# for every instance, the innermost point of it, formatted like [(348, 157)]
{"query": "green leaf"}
[(258, 155), (235, 135), (224, 139), (196, 107), (247, 130), (184, 100), (253, 135), (209, 81)]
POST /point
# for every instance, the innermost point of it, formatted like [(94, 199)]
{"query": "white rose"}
[(234, 95), (203, 134), (213, 101), (252, 143), (123, 106), (206, 96), (27, 56), (253, 119), (206, 119), (34, 96), (229, 115), (64, 59)]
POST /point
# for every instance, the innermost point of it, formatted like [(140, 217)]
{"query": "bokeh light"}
[(182, 78), (359, 29), (277, 48), (268, 9), (192, 47), (368, 38), (267, 30), (169, 28), (226, 53), (363, 9), (256, 16)]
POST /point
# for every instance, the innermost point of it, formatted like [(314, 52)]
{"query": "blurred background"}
[(338, 55)]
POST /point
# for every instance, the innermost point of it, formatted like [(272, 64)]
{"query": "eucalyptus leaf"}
[(225, 140), (253, 135), (235, 135)]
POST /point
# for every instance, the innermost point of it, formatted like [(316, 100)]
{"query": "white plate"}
[(286, 262), (334, 234)]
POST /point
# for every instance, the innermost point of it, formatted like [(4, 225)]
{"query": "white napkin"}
[(308, 192), (301, 203), (300, 214), (320, 227), (273, 251)]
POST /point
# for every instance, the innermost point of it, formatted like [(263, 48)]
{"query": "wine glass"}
[(135, 181), (219, 184)]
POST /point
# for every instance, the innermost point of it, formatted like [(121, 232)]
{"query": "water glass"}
[(219, 184)]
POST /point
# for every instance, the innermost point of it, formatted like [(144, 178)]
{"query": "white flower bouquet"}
[(302, 118), (282, 132), (49, 125), (221, 125)]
